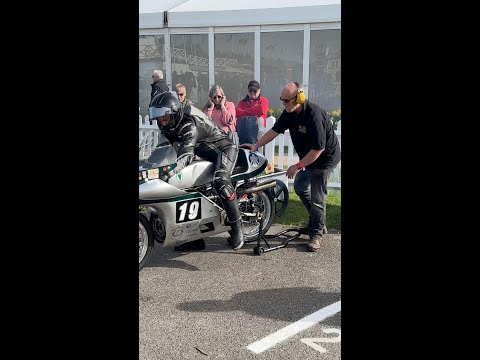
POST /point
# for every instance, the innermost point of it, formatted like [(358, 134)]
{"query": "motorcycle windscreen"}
[(164, 154)]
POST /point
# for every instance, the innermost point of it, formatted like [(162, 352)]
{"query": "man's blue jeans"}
[(311, 188), (247, 129)]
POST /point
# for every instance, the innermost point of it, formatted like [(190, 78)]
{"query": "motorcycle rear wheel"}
[(262, 202), (145, 241), (280, 197)]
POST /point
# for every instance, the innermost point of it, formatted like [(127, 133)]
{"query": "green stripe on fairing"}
[(178, 198), (249, 175)]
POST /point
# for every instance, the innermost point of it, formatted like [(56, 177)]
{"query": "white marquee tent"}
[(169, 19), (201, 13)]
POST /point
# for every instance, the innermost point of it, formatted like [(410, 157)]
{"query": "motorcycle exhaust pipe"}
[(261, 187)]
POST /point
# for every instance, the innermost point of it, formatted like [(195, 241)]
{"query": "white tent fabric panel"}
[(201, 13), (280, 16), (215, 5), (151, 12), (157, 6)]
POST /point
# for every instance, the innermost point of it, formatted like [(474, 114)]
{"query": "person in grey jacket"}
[(182, 94)]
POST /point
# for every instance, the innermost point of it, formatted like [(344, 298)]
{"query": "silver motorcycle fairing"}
[(156, 189), (248, 165), (199, 172), (208, 223)]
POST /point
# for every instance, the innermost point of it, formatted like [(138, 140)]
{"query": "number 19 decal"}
[(188, 210)]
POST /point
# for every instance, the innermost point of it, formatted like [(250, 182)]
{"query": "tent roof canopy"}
[(157, 6), (151, 12), (204, 13)]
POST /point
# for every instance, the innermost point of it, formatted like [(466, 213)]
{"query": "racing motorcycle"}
[(186, 207)]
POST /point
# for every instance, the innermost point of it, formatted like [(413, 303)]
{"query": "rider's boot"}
[(235, 221), (237, 238)]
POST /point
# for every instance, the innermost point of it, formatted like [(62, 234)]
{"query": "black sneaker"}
[(192, 245)]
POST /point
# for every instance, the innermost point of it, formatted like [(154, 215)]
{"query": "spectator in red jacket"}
[(253, 104)]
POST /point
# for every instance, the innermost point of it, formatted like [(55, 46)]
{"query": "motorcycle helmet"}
[(163, 104)]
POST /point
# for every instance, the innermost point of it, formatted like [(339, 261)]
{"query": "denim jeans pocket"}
[(247, 129)]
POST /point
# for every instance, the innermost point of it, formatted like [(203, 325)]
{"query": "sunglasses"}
[(179, 94), (287, 100), (252, 90), (217, 97)]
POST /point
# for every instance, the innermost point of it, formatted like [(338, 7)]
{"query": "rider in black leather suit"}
[(196, 134)]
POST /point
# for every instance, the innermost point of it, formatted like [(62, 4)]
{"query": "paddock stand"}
[(258, 250)]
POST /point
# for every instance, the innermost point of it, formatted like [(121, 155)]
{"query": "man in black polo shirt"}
[(318, 149)]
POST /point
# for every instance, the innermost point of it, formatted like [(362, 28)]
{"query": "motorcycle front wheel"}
[(145, 241), (158, 227)]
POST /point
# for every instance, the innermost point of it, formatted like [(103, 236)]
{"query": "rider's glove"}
[(166, 176)]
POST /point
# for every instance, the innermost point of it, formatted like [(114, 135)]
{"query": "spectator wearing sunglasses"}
[(221, 111), (253, 104), (182, 95)]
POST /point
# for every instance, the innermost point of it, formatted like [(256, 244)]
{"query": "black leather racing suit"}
[(198, 135)]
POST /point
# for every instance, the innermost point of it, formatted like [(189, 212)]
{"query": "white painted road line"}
[(292, 329)]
